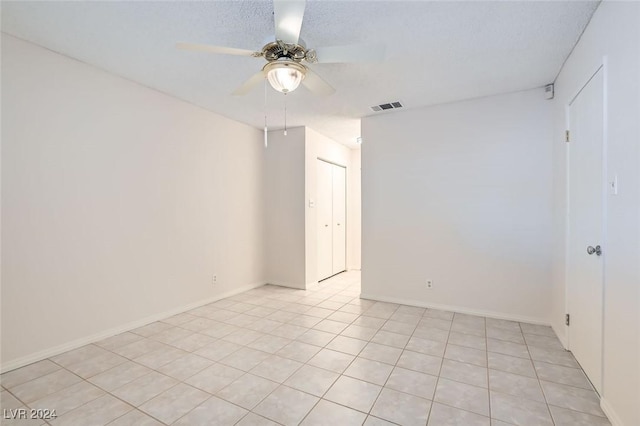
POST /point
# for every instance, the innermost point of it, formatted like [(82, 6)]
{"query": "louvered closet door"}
[(324, 203), (339, 219)]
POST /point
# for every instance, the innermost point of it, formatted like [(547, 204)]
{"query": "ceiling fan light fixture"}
[(285, 75)]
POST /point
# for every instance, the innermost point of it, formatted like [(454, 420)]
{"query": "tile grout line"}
[(435, 389), (535, 370), (304, 364), (394, 366)]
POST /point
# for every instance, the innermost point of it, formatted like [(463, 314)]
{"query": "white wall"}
[(318, 146), (354, 213), (285, 209), (118, 203), (613, 32), (460, 194)]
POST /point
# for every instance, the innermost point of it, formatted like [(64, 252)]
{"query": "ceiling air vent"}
[(390, 105)]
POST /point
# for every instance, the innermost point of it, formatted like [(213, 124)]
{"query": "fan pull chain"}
[(265, 114), (285, 114)]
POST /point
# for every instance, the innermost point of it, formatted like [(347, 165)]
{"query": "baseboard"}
[(74, 344), (459, 309), (610, 413), (288, 285)]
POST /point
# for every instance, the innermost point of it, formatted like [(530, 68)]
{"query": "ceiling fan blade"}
[(350, 54), (215, 49), (288, 15), (316, 84), (246, 87)]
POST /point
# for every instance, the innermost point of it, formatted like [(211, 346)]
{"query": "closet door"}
[(324, 220), (339, 213)]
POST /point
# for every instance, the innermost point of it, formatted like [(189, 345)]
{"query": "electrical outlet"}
[(429, 284), (214, 279)]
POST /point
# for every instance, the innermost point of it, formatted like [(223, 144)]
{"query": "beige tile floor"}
[(316, 357)]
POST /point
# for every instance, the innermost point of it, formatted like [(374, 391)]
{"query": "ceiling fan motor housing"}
[(278, 49)]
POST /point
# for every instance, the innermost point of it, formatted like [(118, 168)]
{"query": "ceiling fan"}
[(285, 69)]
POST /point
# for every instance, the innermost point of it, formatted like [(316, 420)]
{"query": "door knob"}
[(597, 250), (326, 225), (338, 224)]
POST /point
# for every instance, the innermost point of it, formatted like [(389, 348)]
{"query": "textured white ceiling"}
[(436, 52)]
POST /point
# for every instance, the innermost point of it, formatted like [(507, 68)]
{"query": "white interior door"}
[(585, 263), (324, 219), (339, 219)]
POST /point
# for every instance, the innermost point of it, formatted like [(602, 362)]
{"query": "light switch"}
[(312, 203)]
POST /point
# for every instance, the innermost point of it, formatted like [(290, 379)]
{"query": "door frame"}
[(603, 67)]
